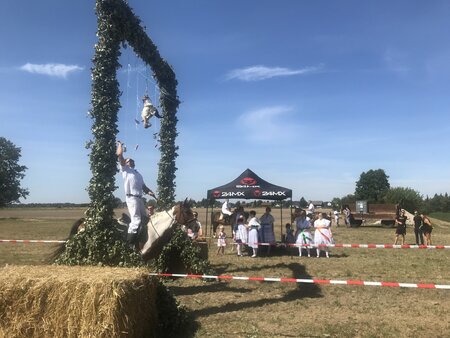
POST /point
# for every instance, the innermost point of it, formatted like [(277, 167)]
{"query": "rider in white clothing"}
[(226, 211), (134, 189)]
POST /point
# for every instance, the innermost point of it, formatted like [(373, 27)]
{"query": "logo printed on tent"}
[(248, 181), (257, 193), (216, 193)]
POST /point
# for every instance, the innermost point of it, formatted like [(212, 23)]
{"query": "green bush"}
[(95, 246), (172, 317), (181, 254)]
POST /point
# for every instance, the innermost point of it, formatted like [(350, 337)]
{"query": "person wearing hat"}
[(134, 189), (418, 228)]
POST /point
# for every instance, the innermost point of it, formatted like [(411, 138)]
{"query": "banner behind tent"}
[(248, 185)]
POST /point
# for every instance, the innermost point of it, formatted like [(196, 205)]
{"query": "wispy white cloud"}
[(258, 73), (51, 69), (268, 125)]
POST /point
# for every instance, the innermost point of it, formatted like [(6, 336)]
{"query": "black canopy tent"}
[(248, 185)]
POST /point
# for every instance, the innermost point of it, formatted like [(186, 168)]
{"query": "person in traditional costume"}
[(254, 226), (241, 235), (322, 235), (304, 238)]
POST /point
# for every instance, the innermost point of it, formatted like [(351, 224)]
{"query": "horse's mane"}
[(157, 216)]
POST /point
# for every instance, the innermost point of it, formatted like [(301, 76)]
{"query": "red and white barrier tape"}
[(29, 241), (362, 246), (308, 281), (375, 246)]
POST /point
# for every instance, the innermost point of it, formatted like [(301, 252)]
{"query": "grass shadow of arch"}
[(302, 290)]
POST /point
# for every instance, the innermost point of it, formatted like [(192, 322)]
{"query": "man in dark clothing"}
[(401, 227), (418, 228)]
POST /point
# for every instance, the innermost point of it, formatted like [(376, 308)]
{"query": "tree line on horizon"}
[(372, 186)]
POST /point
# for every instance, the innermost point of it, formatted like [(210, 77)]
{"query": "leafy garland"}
[(84, 249), (117, 24), (181, 253)]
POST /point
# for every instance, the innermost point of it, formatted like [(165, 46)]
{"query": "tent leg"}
[(206, 225)]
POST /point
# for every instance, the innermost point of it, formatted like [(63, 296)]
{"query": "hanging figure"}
[(148, 111)]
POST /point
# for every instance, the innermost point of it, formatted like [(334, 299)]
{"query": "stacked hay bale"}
[(61, 301)]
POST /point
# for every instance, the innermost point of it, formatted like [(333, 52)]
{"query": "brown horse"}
[(218, 219)]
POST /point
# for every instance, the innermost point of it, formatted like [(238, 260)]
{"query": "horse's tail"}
[(61, 247), (215, 215)]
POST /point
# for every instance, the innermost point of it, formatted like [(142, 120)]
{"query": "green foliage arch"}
[(116, 25)]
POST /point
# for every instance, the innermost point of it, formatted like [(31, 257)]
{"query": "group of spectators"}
[(254, 232), (250, 232), (306, 222), (422, 228)]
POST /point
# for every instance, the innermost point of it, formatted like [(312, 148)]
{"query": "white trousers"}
[(136, 208)]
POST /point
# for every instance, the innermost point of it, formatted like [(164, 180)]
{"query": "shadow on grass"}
[(205, 288), (292, 252), (302, 290)]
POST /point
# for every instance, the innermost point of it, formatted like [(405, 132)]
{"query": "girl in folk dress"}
[(322, 235), (303, 233), (241, 235), (221, 242), (254, 226)]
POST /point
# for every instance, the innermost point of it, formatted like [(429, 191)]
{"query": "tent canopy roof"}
[(248, 185)]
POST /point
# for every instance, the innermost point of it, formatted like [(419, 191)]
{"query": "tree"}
[(303, 203), (410, 199), (346, 200), (10, 173), (372, 186)]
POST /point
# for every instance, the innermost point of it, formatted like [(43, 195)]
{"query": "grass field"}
[(262, 309)]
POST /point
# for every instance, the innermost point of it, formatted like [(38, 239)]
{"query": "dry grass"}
[(253, 309), (55, 301)]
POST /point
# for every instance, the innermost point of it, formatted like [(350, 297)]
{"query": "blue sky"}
[(307, 94)]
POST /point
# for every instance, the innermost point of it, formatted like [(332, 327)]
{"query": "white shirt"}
[(311, 208), (254, 223), (226, 208), (132, 180), (321, 223)]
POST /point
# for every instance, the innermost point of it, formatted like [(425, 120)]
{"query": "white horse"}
[(160, 228)]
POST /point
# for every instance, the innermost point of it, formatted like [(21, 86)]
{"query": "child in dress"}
[(221, 242), (241, 235), (289, 234)]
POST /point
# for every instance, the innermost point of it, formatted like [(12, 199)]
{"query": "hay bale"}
[(62, 301)]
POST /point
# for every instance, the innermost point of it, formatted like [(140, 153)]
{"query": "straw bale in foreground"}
[(62, 301)]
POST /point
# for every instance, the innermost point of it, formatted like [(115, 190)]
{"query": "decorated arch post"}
[(100, 243), (118, 25)]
